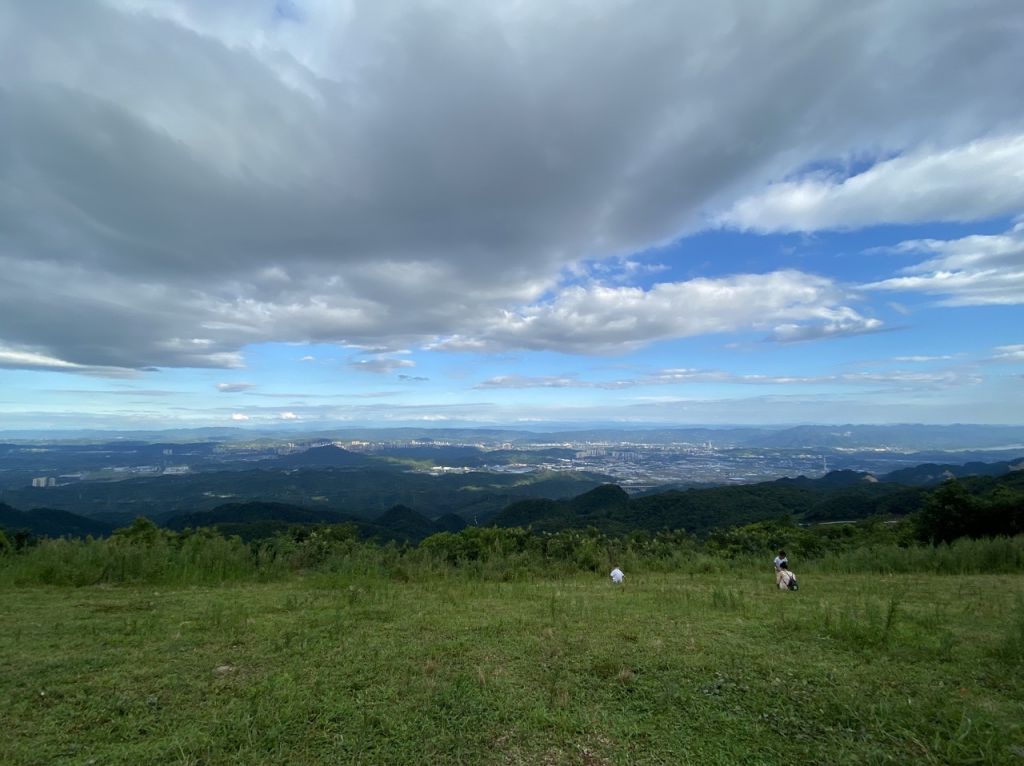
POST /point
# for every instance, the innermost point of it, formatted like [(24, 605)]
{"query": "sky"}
[(513, 212)]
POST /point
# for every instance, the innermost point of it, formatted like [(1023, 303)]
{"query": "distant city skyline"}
[(312, 214)]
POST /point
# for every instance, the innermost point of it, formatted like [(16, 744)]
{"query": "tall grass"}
[(196, 561), (515, 556), (998, 555)]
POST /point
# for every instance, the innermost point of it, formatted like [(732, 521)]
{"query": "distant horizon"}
[(546, 427)]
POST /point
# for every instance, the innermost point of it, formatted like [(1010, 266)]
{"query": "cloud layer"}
[(179, 179), (895, 379), (600, 319), (971, 271), (983, 179)]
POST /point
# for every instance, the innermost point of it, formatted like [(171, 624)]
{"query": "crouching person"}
[(786, 579)]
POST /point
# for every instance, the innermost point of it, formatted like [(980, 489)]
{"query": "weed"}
[(1011, 646), (890, 619), (725, 599)]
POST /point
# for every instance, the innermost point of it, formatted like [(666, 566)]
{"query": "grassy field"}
[(668, 669)]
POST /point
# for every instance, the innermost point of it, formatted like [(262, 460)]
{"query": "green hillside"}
[(841, 496), (50, 522)]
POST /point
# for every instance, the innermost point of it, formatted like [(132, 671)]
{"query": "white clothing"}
[(617, 576), (779, 561)]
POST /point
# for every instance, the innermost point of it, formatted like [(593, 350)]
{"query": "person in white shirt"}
[(780, 560), (617, 576)]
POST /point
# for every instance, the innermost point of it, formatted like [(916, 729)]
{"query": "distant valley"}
[(471, 473), (405, 489)]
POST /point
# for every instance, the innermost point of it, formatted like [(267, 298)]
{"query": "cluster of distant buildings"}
[(138, 470)]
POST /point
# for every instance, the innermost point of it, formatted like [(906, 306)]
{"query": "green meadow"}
[(442, 667)]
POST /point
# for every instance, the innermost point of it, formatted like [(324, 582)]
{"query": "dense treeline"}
[(957, 531), (975, 508), (984, 503)]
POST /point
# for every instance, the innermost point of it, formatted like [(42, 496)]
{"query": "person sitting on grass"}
[(786, 579), (617, 576)]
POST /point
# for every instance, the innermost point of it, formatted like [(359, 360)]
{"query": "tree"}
[(1000, 513), (947, 514), (142, 531)]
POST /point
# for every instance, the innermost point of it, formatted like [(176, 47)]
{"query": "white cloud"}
[(922, 358), (971, 271), (288, 416), (598, 319), (380, 364), (239, 416), (533, 381), (23, 359), (384, 174), (673, 377), (234, 388), (837, 322), (1013, 353), (934, 380), (982, 179)]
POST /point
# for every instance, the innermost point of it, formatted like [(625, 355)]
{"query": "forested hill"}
[(839, 496), (50, 522), (930, 474), (328, 456), (257, 520)]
